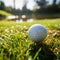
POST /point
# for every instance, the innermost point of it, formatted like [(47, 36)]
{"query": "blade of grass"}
[(2, 54), (37, 53)]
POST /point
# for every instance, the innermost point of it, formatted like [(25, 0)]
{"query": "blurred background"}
[(16, 17), (29, 9)]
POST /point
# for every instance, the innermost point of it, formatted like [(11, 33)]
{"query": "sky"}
[(20, 3)]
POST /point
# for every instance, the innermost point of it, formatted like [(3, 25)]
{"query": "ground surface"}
[(15, 44)]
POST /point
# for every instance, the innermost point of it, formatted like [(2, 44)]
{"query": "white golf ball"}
[(37, 32)]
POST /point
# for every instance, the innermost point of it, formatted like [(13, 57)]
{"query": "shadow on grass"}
[(41, 52)]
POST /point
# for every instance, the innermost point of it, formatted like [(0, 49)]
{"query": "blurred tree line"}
[(53, 8), (2, 5), (44, 10), (48, 11)]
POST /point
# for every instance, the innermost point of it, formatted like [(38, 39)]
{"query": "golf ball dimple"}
[(37, 32)]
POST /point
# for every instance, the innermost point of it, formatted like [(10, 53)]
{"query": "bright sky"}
[(31, 4), (19, 3)]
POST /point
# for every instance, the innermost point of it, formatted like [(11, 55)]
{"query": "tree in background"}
[(14, 4), (54, 2), (41, 3), (54, 7), (24, 8), (2, 5), (59, 6)]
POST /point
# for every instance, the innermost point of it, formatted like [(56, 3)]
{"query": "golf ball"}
[(37, 32)]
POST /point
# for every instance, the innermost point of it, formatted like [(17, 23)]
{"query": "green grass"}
[(5, 13), (15, 44)]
